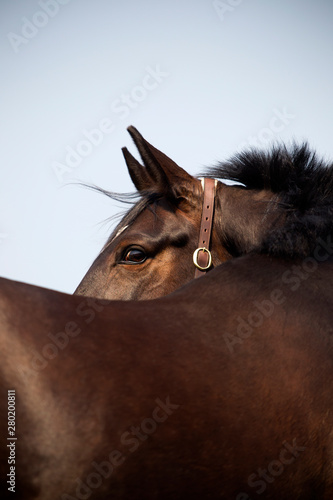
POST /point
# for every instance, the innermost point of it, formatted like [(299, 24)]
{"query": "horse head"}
[(150, 253), (281, 205)]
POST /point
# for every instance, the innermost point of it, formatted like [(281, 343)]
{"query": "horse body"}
[(186, 396)]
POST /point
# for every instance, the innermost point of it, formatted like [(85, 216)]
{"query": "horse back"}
[(220, 390)]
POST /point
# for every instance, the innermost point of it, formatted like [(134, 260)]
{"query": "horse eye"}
[(134, 256)]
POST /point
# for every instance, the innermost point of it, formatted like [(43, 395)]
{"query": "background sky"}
[(199, 79)]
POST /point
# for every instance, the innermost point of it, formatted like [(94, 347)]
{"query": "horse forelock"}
[(140, 201), (146, 199)]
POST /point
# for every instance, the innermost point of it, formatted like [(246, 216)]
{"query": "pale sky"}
[(199, 79)]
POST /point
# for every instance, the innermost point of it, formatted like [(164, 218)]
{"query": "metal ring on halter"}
[(195, 258)]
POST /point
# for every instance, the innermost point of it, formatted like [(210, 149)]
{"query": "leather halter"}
[(202, 257)]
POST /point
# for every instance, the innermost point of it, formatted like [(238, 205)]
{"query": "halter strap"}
[(202, 257)]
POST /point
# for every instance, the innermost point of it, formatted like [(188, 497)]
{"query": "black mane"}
[(304, 185)]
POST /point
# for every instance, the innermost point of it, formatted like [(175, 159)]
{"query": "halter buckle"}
[(195, 258)]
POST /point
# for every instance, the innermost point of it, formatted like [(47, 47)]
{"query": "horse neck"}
[(243, 217)]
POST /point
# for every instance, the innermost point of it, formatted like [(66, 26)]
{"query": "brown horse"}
[(283, 205), (220, 390)]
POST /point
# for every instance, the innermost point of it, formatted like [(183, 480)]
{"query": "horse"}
[(281, 204), (218, 389)]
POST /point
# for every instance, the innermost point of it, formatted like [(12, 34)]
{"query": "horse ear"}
[(138, 172), (161, 172)]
